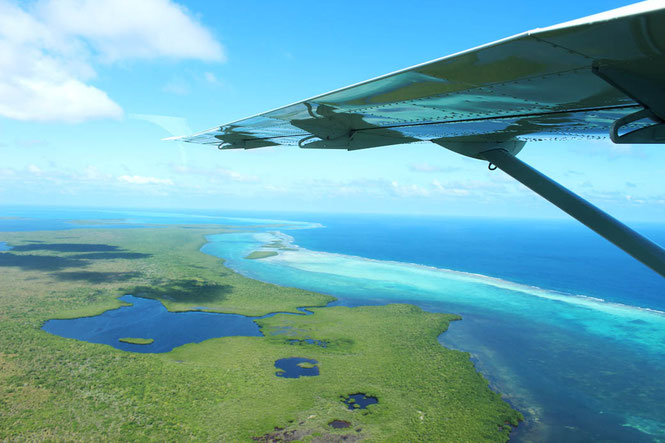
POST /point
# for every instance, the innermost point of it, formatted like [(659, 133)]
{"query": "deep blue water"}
[(554, 254), (147, 318)]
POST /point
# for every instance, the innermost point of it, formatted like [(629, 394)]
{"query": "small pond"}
[(309, 341), (149, 319), (296, 367), (359, 401)]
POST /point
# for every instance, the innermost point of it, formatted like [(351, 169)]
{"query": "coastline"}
[(173, 254), (583, 332), (576, 299), (597, 383)]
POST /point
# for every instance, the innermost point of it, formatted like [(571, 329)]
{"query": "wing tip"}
[(175, 137)]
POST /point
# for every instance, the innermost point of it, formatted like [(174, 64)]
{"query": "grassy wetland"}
[(53, 388)]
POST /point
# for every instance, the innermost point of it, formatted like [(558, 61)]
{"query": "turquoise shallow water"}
[(23, 218), (580, 368)]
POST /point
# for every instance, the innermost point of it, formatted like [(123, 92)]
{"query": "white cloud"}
[(236, 176), (210, 78), (408, 190), (34, 169), (141, 180), (94, 174), (121, 29), (450, 189), (215, 173), (48, 50), (427, 167)]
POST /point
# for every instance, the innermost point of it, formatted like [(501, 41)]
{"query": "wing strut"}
[(604, 224)]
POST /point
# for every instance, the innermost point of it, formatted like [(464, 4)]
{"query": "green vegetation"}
[(275, 244), (260, 254), (137, 341), (53, 388), (306, 365)]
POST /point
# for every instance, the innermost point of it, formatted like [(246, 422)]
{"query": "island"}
[(255, 255), (136, 341), (65, 389)]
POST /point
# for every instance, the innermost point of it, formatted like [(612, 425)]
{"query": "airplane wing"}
[(589, 78), (557, 82)]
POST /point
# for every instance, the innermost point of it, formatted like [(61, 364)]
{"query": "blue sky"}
[(88, 88)]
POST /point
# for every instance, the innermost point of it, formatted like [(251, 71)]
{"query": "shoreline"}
[(614, 317), (594, 388), (532, 290), (356, 338)]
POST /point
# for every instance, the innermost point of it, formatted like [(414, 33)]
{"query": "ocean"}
[(568, 328)]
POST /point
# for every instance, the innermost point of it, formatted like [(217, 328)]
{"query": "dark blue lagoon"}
[(149, 319), (296, 367)]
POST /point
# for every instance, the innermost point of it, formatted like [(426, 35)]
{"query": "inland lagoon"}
[(295, 367), (359, 401), (157, 329)]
